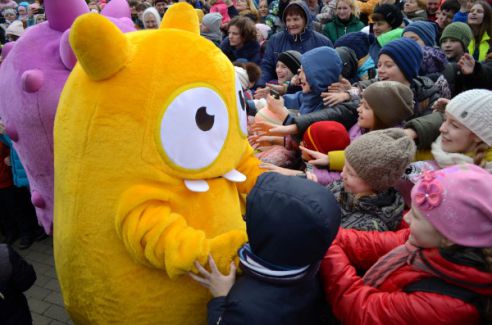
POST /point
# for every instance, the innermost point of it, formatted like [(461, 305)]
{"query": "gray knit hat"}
[(391, 101), (380, 157), (458, 31), (473, 109)]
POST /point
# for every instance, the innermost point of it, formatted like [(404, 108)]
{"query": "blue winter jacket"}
[(283, 41), (18, 172)]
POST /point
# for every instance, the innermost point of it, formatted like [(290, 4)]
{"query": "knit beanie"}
[(292, 59), (380, 157), (264, 30), (456, 201), (326, 136), (391, 101), (426, 30), (242, 74), (407, 55), (473, 109), (16, 28), (458, 31), (349, 61), (359, 42), (391, 13)]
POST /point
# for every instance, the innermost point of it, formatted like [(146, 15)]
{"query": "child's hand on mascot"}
[(217, 283)]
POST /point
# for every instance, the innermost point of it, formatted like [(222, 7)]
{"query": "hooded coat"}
[(353, 302), (290, 223), (283, 41)]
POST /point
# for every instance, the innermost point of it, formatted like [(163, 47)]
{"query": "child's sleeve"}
[(215, 308), (353, 302), (23, 274)]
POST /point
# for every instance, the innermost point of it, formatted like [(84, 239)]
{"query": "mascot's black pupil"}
[(203, 120), (242, 100)]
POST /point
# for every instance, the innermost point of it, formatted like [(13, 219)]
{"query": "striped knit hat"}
[(407, 55)]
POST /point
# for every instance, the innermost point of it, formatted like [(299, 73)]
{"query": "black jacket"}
[(16, 276), (291, 222)]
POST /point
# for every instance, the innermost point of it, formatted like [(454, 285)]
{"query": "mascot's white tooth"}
[(234, 176), (196, 185)]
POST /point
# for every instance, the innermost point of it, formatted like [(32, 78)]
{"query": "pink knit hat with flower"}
[(457, 201)]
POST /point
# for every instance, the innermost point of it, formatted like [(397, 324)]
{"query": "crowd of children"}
[(375, 120)]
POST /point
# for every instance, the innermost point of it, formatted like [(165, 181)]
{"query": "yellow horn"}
[(100, 47), (181, 15)]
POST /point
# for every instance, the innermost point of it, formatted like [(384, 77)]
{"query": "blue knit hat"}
[(426, 30), (359, 42), (322, 67), (407, 55)]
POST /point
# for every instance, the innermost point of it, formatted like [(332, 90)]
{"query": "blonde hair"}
[(480, 153), (353, 6)]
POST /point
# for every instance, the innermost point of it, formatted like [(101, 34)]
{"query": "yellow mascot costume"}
[(151, 158)]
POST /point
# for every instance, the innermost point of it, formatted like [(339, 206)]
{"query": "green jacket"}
[(336, 28)]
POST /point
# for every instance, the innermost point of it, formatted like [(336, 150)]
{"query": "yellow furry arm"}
[(249, 166), (156, 236), (336, 159)]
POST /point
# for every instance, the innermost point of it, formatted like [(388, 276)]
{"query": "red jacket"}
[(353, 302), (5, 172)]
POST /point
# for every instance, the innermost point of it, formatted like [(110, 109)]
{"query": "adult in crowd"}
[(415, 9), (161, 6), (151, 18), (346, 20), (298, 35), (241, 43), (431, 8)]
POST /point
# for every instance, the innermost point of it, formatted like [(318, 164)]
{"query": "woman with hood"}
[(298, 35)]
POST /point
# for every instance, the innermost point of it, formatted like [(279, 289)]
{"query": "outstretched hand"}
[(466, 64), (217, 283), (318, 158)]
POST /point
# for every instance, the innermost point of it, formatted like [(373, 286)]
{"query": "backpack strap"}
[(437, 285)]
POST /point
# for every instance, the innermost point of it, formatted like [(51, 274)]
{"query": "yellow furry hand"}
[(223, 249)]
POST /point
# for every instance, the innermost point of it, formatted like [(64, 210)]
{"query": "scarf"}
[(259, 268), (445, 159)]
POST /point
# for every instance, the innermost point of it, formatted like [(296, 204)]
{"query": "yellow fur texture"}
[(132, 131)]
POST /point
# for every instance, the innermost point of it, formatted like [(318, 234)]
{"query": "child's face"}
[(475, 17), (21, 10), (444, 17), (388, 70), (352, 183), (422, 232), (415, 37), (410, 6), (366, 116), (263, 9), (452, 48), (380, 27), (283, 73), (455, 137), (303, 81)]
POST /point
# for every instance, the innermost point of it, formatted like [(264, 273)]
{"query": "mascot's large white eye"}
[(194, 128), (241, 108)]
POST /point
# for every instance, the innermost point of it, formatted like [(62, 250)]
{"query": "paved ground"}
[(44, 296)]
